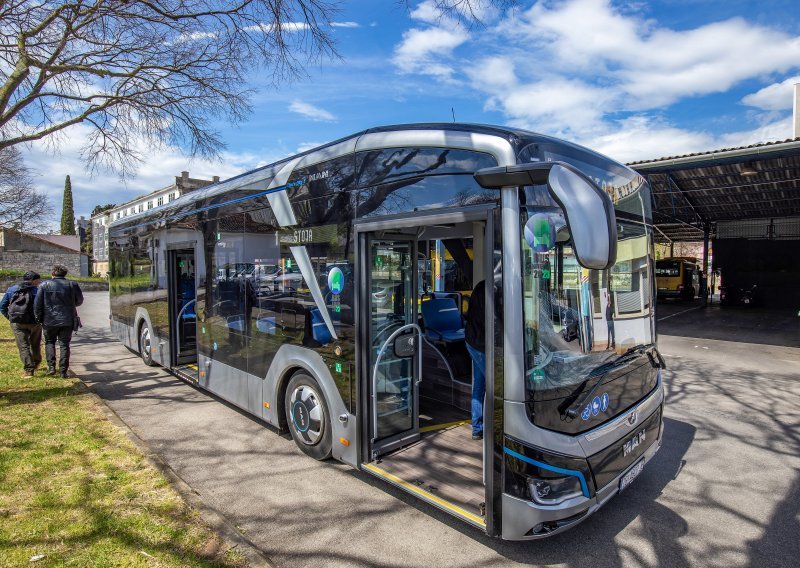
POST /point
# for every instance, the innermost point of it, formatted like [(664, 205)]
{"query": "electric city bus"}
[(303, 292)]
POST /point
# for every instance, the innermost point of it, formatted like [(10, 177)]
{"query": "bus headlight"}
[(553, 491), (544, 477)]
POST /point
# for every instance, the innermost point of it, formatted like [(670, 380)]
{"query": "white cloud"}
[(769, 131), (778, 96), (652, 66), (644, 138), (345, 24), (306, 146), (587, 71), (428, 50), (310, 111)]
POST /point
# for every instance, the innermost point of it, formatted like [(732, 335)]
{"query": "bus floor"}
[(446, 462)]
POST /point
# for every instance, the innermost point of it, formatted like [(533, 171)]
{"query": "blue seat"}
[(236, 323), (266, 324), (442, 320), (319, 329)]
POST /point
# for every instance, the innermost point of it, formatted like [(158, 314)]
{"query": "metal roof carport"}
[(694, 193)]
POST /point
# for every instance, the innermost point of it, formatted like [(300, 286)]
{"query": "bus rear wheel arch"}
[(307, 416)]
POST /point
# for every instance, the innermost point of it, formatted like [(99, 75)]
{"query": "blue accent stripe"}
[(572, 472)]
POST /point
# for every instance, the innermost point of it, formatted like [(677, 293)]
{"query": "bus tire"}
[(308, 417), (146, 345)]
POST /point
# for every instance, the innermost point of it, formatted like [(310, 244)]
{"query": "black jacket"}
[(475, 330), (56, 301)]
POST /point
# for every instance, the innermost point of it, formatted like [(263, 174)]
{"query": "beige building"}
[(158, 198)]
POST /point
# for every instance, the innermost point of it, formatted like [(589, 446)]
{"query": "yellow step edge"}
[(425, 495), (443, 426)]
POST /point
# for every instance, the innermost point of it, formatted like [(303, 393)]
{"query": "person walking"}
[(55, 308), (475, 334), (17, 307)]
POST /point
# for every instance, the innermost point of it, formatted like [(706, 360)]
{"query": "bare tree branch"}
[(160, 70), (22, 207)]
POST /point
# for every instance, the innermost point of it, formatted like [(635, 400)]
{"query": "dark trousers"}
[(64, 336), (29, 343)]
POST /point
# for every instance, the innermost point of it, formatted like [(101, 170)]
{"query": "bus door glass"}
[(394, 338), (183, 320)]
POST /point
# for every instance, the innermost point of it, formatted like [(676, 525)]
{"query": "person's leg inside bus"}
[(478, 389)]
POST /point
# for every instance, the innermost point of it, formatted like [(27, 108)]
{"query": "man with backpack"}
[(17, 307), (55, 308)]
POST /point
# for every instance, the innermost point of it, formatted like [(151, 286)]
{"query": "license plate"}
[(633, 472)]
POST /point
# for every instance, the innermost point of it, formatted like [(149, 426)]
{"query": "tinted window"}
[(228, 298), (668, 268), (385, 166), (418, 194)]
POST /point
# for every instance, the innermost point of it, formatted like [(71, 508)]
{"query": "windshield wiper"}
[(600, 372)]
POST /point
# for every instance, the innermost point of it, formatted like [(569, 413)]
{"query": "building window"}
[(141, 207), (171, 196), (161, 200), (126, 213), (150, 204)]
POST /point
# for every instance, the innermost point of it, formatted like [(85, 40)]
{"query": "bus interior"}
[(421, 431)]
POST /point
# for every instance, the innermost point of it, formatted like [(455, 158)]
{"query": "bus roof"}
[(342, 146)]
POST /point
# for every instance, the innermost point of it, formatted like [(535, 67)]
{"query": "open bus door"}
[(182, 297), (408, 436), (393, 342)]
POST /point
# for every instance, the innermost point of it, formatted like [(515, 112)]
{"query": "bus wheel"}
[(146, 345), (308, 416)]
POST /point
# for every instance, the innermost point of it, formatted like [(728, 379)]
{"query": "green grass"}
[(74, 488)]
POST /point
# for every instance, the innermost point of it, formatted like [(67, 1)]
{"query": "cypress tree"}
[(67, 212)]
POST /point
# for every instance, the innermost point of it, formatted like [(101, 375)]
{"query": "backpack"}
[(20, 308)]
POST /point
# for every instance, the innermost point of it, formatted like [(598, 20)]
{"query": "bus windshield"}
[(577, 320)]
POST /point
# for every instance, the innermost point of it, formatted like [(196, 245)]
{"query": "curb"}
[(224, 528)]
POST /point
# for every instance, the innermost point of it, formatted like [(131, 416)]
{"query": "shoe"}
[(478, 436), (51, 372), (27, 373)]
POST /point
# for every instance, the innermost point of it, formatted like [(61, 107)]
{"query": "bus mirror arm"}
[(588, 209), (656, 360)]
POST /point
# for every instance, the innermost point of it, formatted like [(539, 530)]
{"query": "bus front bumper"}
[(525, 520)]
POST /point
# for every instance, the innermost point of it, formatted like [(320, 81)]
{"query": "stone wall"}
[(41, 262)]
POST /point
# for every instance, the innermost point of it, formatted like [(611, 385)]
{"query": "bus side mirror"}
[(588, 209)]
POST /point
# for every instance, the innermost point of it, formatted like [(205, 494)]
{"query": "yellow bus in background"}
[(678, 277)]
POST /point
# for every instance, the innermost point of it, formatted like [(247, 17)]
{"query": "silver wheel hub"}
[(306, 414), (146, 341)]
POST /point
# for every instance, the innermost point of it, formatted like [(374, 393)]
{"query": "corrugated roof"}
[(695, 191), (711, 153)]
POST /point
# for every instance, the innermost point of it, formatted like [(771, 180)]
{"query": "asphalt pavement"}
[(723, 491)]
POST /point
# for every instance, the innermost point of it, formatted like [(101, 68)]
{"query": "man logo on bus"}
[(336, 280)]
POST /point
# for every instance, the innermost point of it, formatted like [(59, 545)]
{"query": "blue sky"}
[(634, 80)]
